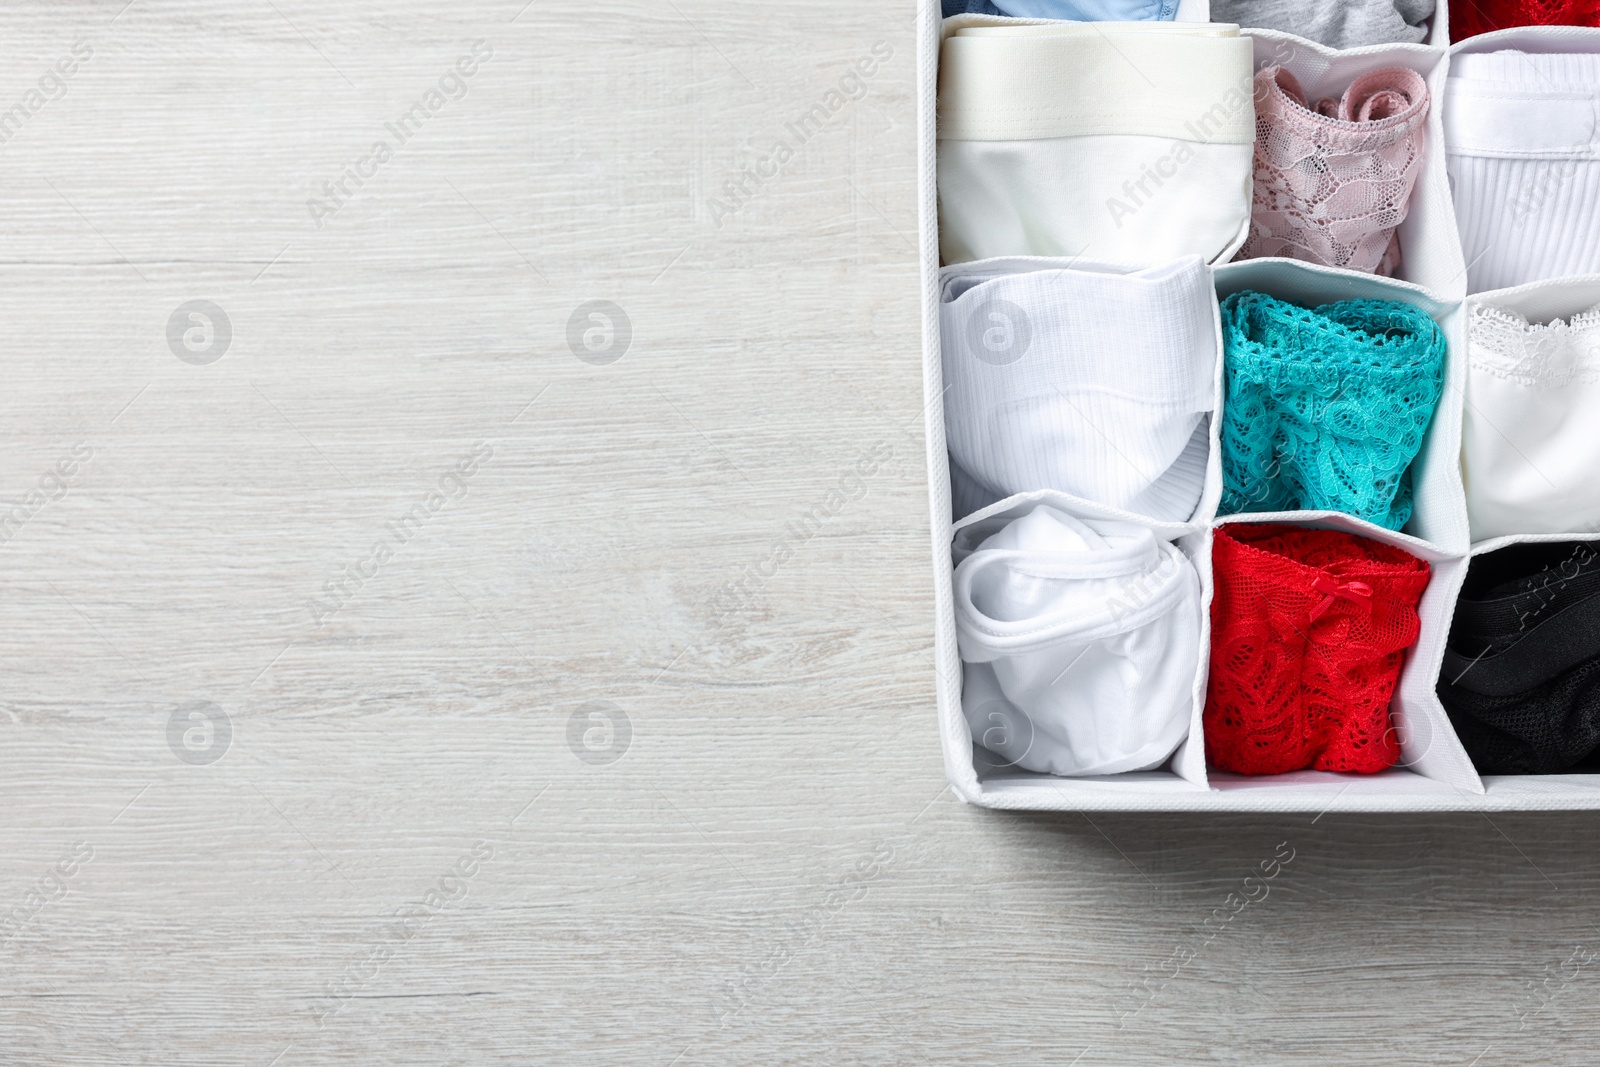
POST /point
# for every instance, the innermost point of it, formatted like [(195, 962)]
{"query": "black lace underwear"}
[(1521, 676)]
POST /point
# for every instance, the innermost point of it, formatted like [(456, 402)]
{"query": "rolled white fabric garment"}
[(1522, 148), (1092, 379), (1530, 436), (1121, 141), (1080, 640)]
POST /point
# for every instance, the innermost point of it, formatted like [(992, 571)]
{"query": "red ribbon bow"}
[(1332, 592)]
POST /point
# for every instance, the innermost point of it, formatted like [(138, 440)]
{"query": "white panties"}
[(1123, 141), (1087, 380), (1522, 144), (1081, 640), (1530, 438)]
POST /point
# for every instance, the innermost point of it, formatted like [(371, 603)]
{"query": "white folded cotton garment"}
[(1530, 437), (1123, 141), (1522, 147), (1080, 641), (1091, 379)]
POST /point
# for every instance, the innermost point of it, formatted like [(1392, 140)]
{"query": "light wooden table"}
[(385, 683)]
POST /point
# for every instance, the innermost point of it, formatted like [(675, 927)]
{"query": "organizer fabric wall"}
[(984, 243)]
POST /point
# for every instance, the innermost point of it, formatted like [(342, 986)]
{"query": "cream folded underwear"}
[(1522, 144), (1126, 141), (1530, 445), (1334, 179), (1081, 642), (1084, 379)]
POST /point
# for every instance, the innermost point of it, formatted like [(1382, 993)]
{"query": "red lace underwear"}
[(1481, 16), (1308, 634)]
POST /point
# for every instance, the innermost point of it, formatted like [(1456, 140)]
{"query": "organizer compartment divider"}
[(1555, 298), (1528, 781), (1430, 249), (1192, 538), (1440, 516), (1538, 302), (1428, 745)]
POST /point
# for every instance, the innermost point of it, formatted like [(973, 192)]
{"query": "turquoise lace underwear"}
[(1327, 407)]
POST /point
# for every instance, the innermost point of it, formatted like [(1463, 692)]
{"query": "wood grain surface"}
[(393, 674)]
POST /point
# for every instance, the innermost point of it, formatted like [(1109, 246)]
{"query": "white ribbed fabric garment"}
[(1080, 642), (1530, 450), (1092, 380), (1522, 143), (1123, 141)]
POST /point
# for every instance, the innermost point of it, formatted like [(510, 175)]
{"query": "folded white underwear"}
[(1081, 640), (1530, 436), (1084, 379), (1522, 146), (1122, 141)]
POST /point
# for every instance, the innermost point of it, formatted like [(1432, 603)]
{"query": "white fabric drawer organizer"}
[(1434, 772)]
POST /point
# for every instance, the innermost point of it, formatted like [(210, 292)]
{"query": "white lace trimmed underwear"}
[(1081, 641), (1129, 142), (1087, 380), (1522, 141), (1531, 430)]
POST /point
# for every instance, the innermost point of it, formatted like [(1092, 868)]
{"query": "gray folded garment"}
[(1335, 23)]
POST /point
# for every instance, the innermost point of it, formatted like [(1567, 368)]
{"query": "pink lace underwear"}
[(1332, 181)]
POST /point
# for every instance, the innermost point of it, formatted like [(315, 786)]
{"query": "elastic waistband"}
[(1019, 87), (1525, 106), (1557, 644), (1151, 589), (1542, 71)]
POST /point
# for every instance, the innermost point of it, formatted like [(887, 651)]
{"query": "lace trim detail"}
[(1334, 179), (1541, 72), (1506, 345)]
